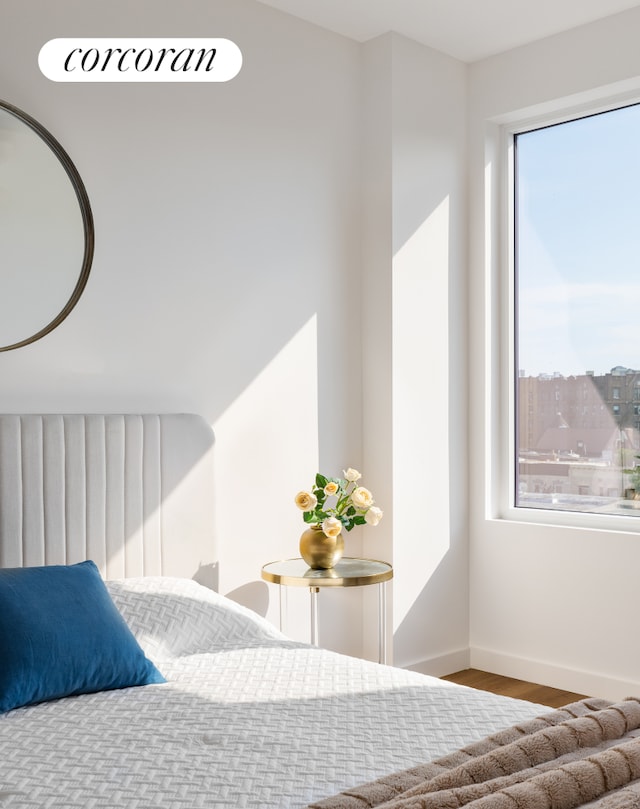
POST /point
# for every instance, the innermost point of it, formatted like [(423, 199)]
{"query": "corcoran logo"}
[(147, 59)]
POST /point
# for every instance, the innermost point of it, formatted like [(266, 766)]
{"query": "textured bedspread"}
[(247, 718), (584, 755)]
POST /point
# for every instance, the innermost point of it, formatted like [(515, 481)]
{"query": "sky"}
[(578, 237)]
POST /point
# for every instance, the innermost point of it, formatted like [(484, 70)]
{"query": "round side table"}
[(346, 573)]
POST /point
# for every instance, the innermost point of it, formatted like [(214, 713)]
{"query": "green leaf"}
[(309, 516), (359, 520), (321, 481)]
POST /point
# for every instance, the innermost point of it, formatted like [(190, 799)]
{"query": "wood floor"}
[(508, 687)]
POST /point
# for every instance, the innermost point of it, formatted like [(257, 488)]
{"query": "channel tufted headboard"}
[(132, 492)]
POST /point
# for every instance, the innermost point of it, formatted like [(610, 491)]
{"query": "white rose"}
[(362, 498), (331, 527), (330, 488), (306, 501), (373, 515), (351, 474)]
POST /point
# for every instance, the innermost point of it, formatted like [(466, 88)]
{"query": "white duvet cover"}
[(247, 718)]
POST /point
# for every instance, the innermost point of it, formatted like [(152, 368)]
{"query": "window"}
[(577, 304)]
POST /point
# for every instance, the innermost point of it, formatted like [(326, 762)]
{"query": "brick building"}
[(587, 402), (577, 434)]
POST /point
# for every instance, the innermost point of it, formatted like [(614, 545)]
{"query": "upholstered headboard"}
[(132, 492)]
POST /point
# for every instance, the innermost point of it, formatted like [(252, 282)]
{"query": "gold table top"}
[(346, 573)]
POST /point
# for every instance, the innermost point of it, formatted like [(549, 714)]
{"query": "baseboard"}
[(534, 671), (442, 664), (590, 683)]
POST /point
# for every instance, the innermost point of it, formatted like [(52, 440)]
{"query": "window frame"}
[(502, 432)]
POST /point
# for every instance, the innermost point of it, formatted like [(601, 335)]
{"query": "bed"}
[(240, 715)]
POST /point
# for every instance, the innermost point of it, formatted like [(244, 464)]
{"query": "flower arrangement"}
[(353, 504)]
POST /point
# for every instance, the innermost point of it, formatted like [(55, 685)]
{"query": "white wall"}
[(229, 280), (429, 364), (414, 209), (225, 279), (377, 324), (548, 603)]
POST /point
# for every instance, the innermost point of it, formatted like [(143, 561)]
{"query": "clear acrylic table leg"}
[(382, 622), (313, 591), (382, 615), (281, 616)]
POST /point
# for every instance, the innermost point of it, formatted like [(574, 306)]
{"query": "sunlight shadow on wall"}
[(267, 445), (421, 412)]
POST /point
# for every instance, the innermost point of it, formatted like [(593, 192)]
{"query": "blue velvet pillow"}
[(61, 634)]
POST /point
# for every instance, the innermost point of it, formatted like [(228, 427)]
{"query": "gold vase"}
[(318, 550)]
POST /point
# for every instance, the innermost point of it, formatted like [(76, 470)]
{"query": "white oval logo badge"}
[(147, 59)]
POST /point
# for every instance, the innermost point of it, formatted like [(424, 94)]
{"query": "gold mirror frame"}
[(85, 212)]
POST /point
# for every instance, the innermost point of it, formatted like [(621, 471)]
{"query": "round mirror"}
[(46, 231)]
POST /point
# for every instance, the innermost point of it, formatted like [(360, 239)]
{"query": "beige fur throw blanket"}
[(586, 754)]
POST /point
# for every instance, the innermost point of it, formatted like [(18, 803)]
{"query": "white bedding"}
[(247, 718)]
